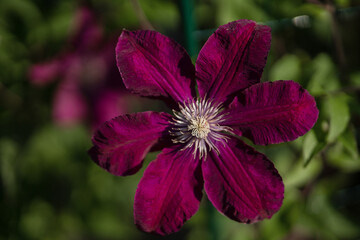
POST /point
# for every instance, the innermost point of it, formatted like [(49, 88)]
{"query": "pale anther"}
[(198, 126)]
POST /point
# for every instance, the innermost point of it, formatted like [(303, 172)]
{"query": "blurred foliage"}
[(50, 189)]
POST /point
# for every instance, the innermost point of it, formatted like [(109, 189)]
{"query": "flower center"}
[(197, 125)]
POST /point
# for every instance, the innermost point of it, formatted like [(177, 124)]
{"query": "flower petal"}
[(273, 112), (87, 34), (154, 65), (108, 104), (242, 183), (120, 145), (43, 73), (232, 59), (169, 192), (70, 105)]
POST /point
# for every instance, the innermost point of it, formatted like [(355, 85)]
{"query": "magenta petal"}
[(154, 65), (121, 144), (273, 112), (108, 104), (44, 73), (242, 183), (87, 33), (69, 103), (169, 192), (232, 59)]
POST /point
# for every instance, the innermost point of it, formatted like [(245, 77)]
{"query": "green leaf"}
[(8, 154), (342, 3), (298, 176), (51, 148), (349, 142), (344, 153), (286, 68), (355, 79), (38, 220), (329, 220), (339, 116), (324, 77), (162, 14), (311, 147), (229, 10), (339, 157)]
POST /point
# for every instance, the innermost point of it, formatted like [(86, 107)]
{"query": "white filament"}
[(197, 125)]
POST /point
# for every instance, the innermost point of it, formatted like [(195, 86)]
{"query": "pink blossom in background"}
[(200, 141), (89, 87)]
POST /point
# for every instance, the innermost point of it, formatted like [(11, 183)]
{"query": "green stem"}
[(187, 9), (211, 223)]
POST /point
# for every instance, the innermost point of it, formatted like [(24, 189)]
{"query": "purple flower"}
[(88, 75), (201, 145)]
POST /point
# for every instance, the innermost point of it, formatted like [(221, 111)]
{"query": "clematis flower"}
[(201, 141), (87, 74)]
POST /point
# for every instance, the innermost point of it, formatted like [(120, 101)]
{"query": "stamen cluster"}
[(197, 125)]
